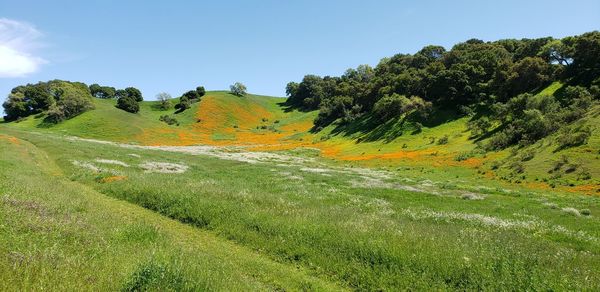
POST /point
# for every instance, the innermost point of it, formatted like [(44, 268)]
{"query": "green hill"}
[(265, 123)]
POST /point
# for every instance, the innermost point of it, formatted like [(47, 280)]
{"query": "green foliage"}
[(238, 89), (128, 104), (128, 99), (189, 97), (102, 91), (201, 91), (472, 76), (479, 126), (443, 140), (169, 120), (570, 138), (164, 101), (134, 93), (61, 99), (586, 58)]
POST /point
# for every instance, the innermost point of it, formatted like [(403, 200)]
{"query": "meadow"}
[(78, 208)]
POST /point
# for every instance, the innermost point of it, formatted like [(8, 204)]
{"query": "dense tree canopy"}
[(189, 97), (128, 99), (472, 74), (60, 99), (102, 91)]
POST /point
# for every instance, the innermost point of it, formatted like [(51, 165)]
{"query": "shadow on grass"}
[(369, 128)]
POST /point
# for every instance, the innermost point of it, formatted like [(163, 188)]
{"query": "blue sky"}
[(174, 46)]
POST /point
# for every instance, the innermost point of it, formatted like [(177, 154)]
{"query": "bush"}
[(585, 212), (463, 156), (527, 155), (443, 140), (479, 127), (569, 138), (169, 120)]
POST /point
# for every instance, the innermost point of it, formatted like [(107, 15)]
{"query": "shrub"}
[(463, 156), (584, 174), (569, 138), (479, 127), (585, 212), (169, 120), (443, 140), (517, 167), (527, 155)]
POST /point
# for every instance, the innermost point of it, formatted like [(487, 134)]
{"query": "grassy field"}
[(59, 234), (346, 227), (242, 195)]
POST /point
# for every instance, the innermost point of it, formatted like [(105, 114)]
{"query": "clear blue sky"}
[(173, 46)]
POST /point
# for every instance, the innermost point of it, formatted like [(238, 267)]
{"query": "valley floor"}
[(92, 214)]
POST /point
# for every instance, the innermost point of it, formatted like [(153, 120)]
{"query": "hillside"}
[(262, 123)]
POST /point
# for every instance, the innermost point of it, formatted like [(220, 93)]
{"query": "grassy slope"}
[(223, 119), (60, 235), (337, 226)]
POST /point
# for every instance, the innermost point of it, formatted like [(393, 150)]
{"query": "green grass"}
[(345, 232), (434, 217), (56, 234)]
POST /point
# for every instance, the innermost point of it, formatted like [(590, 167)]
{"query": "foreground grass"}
[(344, 227), (56, 234)]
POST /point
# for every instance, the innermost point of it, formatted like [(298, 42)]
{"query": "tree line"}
[(473, 76)]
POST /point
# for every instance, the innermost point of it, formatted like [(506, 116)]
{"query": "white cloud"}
[(18, 41)]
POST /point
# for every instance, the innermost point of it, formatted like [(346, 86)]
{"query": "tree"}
[(15, 107), (38, 97), (134, 93), (128, 104), (586, 58), (559, 51), (390, 106), (164, 100), (192, 95), (201, 91), (128, 99), (102, 91), (526, 75), (61, 100), (184, 103), (238, 89), (69, 104)]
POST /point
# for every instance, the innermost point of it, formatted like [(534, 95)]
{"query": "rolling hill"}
[(263, 123)]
